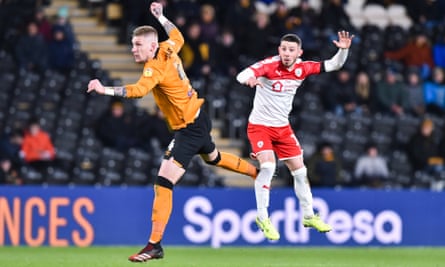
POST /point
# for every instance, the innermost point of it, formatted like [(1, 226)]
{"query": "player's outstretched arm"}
[(338, 60), (96, 85)]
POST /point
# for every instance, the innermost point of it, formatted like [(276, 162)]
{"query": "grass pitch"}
[(227, 256)]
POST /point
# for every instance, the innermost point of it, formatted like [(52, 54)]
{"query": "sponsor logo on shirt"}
[(148, 72)]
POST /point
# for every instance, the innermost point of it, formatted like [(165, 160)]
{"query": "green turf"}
[(232, 257)]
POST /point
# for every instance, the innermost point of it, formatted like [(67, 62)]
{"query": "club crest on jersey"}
[(260, 144), (298, 72), (148, 72)]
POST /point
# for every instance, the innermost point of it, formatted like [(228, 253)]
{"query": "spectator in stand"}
[(434, 92), (414, 89), (259, 33), (62, 20), (196, 52), (238, 17), (8, 174), (324, 166), (364, 92), (61, 51), (30, 51), (339, 97), (391, 96), (10, 146), (371, 169), (225, 55), (44, 25), (416, 53), (423, 150), (116, 129), (303, 20), (425, 12), (439, 50), (280, 19), (333, 17), (37, 148), (208, 23)]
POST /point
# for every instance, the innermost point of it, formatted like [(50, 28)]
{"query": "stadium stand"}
[(69, 115)]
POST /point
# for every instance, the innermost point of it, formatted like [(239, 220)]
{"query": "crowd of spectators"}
[(393, 74)]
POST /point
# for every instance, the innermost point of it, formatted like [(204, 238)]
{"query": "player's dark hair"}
[(291, 38)]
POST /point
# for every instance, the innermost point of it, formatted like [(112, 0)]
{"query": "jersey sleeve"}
[(149, 79), (259, 68), (312, 67), (175, 40)]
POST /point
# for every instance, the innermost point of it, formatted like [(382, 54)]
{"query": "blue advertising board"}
[(85, 216)]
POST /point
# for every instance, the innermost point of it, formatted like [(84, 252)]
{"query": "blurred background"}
[(377, 123)]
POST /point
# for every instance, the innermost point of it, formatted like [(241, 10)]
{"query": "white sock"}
[(262, 189), (303, 191)]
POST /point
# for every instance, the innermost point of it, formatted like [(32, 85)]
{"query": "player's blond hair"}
[(145, 30)]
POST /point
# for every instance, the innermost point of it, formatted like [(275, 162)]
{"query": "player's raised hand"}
[(344, 40), (156, 9), (96, 85)]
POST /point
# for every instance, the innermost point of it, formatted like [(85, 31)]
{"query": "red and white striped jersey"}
[(273, 102)]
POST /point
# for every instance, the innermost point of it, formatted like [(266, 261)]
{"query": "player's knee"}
[(268, 168), (300, 172), (215, 161)]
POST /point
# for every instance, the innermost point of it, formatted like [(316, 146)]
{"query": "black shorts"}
[(192, 140)]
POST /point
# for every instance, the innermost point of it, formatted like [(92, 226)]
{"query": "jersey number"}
[(180, 71)]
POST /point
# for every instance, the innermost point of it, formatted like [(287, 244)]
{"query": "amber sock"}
[(162, 207), (237, 164)]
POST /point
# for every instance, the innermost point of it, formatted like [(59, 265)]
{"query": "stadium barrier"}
[(87, 216)]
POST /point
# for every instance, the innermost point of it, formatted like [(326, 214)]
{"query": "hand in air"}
[(344, 40), (96, 85), (156, 9)]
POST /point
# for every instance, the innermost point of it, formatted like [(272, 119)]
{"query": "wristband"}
[(162, 19), (109, 91)]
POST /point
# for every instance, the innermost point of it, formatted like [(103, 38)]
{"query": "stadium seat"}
[(439, 127), (384, 124), (406, 126), (110, 177), (111, 163), (83, 177), (398, 16), (334, 138), (308, 142), (137, 178), (31, 176), (376, 14), (7, 62), (65, 144), (395, 37), (334, 123), (358, 124), (310, 122), (349, 159), (57, 176), (383, 142), (400, 168)]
